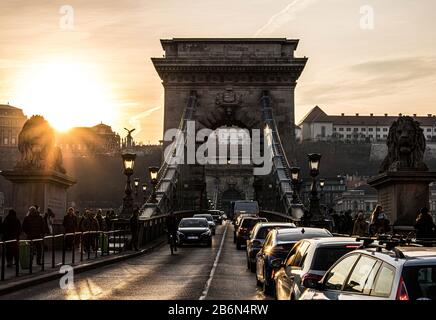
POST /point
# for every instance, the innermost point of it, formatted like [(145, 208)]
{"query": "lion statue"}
[(36, 143), (406, 146)]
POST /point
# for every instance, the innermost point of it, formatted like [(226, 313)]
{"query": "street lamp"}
[(295, 180), (129, 164), (144, 189), (314, 162), (136, 184), (153, 177)]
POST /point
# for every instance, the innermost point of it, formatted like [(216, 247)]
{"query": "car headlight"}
[(207, 233)]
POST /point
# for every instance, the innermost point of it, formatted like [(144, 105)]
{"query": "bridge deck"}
[(162, 276)]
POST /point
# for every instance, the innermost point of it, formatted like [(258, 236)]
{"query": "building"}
[(12, 120), (318, 126), (85, 141), (363, 198)]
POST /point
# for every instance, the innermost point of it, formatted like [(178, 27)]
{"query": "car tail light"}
[(310, 278), (402, 291), (352, 246)]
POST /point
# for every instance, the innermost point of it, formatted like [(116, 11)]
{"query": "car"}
[(194, 230), (238, 221), (257, 238), (379, 273), (209, 219), (244, 206), (308, 260), (217, 216), (277, 245), (244, 229)]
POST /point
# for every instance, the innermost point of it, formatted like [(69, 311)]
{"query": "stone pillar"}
[(402, 194), (45, 188)]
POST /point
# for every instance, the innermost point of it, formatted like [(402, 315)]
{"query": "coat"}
[(360, 228), (33, 226), (70, 223), (425, 228), (11, 227)]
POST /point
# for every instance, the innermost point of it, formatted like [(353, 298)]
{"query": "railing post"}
[(96, 243), (43, 254), (81, 246), (88, 243), (3, 261), (53, 256), (17, 259), (73, 249), (119, 241), (63, 249), (31, 257)]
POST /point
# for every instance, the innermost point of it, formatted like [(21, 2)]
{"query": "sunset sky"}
[(99, 68)]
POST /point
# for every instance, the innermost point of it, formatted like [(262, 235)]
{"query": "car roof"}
[(333, 241), (412, 255), (195, 218), (302, 230), (202, 215), (278, 224)]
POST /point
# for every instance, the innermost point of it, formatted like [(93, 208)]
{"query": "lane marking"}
[(215, 264)]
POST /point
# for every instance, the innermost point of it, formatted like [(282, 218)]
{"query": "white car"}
[(400, 273)]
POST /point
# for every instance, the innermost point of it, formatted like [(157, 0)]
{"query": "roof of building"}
[(318, 115), (9, 107)]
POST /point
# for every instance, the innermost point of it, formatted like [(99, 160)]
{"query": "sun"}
[(67, 93)]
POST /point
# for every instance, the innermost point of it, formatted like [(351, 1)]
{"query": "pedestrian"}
[(11, 231), (348, 222), (70, 226), (49, 217), (95, 227), (85, 227), (424, 226), (134, 229), (107, 220), (379, 222), (33, 227), (101, 220), (172, 226), (360, 228)]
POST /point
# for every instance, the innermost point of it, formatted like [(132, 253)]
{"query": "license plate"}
[(192, 238)]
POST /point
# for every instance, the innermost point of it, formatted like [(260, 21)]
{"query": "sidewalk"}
[(25, 279)]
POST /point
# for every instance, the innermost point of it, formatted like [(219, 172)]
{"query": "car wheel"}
[(253, 267), (209, 244), (213, 232), (238, 245), (234, 237)]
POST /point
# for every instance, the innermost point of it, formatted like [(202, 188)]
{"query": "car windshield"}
[(420, 281), (262, 232), (250, 223), (296, 236), (207, 216), (326, 256), (193, 223)]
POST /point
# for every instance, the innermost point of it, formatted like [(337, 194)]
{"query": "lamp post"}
[(153, 178), (297, 208), (144, 190), (321, 187), (129, 164), (136, 184), (314, 161)]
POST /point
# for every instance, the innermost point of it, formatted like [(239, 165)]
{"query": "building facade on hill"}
[(12, 120), (85, 141), (319, 126)]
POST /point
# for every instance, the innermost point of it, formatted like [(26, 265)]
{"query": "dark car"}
[(277, 245), (209, 219), (217, 216), (238, 220), (244, 229), (257, 238), (194, 230)]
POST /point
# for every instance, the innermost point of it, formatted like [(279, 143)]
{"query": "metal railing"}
[(56, 250)]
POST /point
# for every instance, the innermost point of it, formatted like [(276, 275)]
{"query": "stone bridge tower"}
[(228, 76)]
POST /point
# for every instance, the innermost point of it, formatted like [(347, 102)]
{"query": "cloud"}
[(136, 120), (284, 16), (371, 79)]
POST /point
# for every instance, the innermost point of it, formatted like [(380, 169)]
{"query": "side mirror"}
[(257, 243), (312, 284), (276, 263)]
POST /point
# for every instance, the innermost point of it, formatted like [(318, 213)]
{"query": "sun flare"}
[(66, 93)]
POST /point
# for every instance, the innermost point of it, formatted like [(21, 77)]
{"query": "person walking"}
[(379, 222), (85, 226), (70, 226), (424, 226), (134, 229), (49, 217), (101, 220), (360, 228), (33, 227), (11, 231), (95, 227), (172, 226)]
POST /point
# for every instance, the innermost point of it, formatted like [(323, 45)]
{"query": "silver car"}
[(400, 273)]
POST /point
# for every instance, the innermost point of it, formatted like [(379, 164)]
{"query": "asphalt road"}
[(215, 273)]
